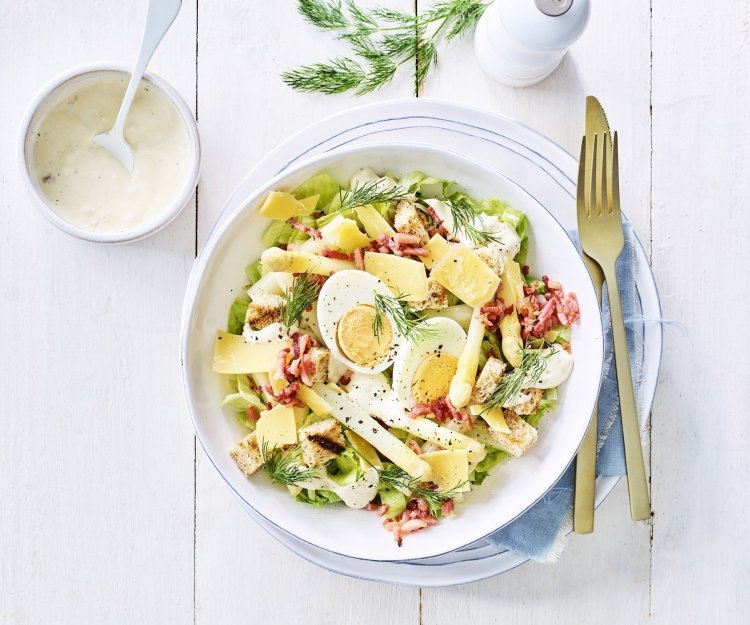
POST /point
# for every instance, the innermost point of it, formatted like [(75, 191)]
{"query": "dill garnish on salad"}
[(393, 346)]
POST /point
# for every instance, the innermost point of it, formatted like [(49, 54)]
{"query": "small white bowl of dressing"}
[(81, 188)]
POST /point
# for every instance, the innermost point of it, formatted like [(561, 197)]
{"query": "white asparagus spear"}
[(373, 394), (355, 417), (466, 372), (275, 259)]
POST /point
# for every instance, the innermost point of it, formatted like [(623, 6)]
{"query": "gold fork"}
[(585, 479), (602, 239)]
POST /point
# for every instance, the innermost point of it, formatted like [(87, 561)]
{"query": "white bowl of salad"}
[(390, 351)]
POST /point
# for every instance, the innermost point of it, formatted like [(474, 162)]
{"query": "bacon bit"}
[(444, 411), (420, 410), (414, 446), (401, 244), (566, 347), (492, 313), (404, 238), (337, 255), (359, 259), (346, 378), (287, 396), (413, 525), (308, 230), (382, 509), (252, 414), (525, 270), (414, 251), (538, 314), (447, 507), (371, 506), (433, 215)]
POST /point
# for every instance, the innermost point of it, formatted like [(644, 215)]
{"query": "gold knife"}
[(585, 484)]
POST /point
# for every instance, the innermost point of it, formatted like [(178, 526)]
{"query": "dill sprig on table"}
[(303, 293), (383, 40), (407, 320), (373, 192), (465, 219), (533, 364), (283, 467), (396, 477)]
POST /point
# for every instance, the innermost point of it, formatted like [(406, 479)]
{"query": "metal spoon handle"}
[(160, 15)]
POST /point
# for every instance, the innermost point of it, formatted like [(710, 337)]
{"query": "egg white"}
[(449, 338), (341, 292)]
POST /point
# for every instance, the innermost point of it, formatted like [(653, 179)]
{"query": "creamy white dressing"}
[(558, 363), (84, 183), (355, 495), (508, 244)]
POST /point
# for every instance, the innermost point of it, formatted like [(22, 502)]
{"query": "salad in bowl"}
[(393, 345)]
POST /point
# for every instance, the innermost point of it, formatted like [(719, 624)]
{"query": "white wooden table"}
[(108, 511)]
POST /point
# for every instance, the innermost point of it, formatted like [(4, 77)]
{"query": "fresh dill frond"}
[(336, 76), (407, 320), (384, 39), (465, 220), (283, 467), (323, 14), (398, 478), (303, 293), (533, 364), (373, 192)]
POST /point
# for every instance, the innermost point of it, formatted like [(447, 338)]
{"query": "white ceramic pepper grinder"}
[(520, 42)]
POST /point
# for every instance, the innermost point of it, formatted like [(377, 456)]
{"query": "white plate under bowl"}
[(541, 167), (217, 278)]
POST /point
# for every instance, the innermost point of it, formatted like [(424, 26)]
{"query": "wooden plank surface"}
[(701, 184), (96, 467), (111, 515)]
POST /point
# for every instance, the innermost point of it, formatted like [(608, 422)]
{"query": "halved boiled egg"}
[(423, 368), (347, 321)]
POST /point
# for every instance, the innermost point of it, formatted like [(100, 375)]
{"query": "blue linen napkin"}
[(535, 533)]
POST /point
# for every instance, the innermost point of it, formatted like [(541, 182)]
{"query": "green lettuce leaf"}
[(425, 186), (253, 272), (318, 498), (282, 233), (491, 460), (322, 185), (242, 398), (236, 317), (394, 499), (550, 402), (346, 468)]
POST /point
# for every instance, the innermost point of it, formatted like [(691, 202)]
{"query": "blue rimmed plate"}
[(534, 163)]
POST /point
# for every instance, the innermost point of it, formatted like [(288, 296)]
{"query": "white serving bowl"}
[(50, 95), (217, 279)]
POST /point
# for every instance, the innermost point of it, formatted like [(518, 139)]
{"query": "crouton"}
[(521, 438), (265, 309), (488, 381), (409, 221), (321, 442), (246, 455), (319, 358), (529, 406), (437, 297), (492, 257)]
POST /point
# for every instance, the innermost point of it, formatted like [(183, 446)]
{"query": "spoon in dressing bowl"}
[(161, 14)]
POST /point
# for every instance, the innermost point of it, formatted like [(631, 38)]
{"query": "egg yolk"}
[(357, 340), (432, 380)]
